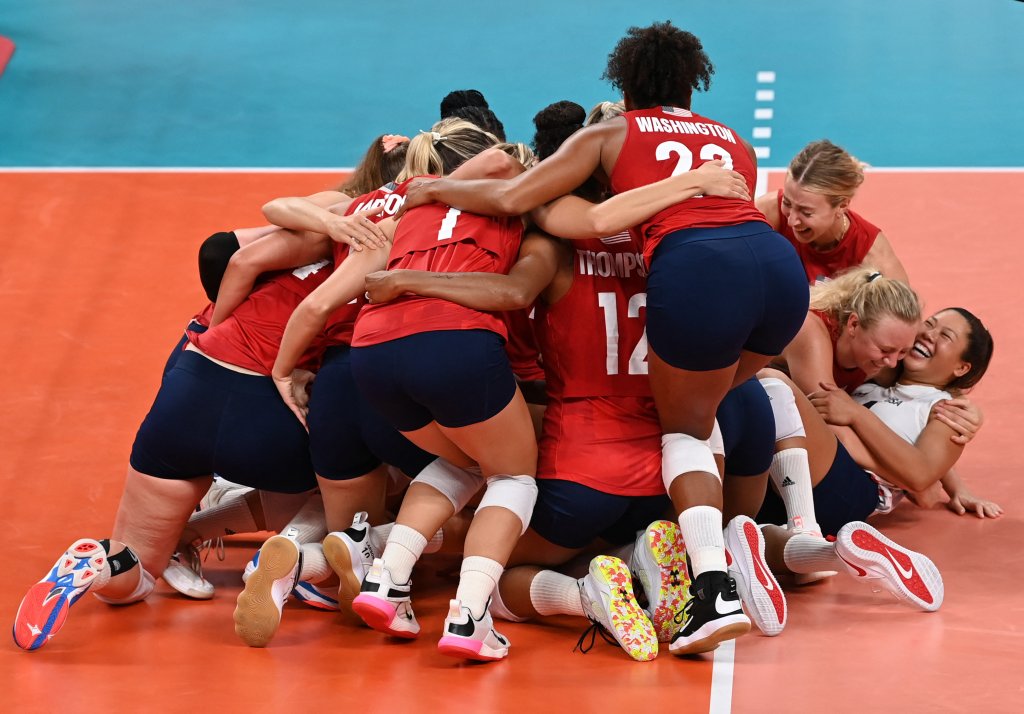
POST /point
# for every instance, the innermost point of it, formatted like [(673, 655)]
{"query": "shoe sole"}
[(872, 556), (665, 554), (758, 588), (183, 585), (380, 614), (257, 616), (629, 623), (48, 602), (340, 559), (465, 648), (713, 634)]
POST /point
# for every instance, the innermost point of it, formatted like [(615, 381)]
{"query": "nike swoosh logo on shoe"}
[(722, 607), (905, 574)]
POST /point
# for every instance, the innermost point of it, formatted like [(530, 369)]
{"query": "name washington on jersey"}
[(674, 126)]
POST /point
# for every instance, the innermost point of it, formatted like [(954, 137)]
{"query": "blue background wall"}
[(263, 83)]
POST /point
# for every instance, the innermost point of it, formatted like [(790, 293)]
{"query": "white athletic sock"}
[(792, 478), (314, 565), (701, 527), (379, 536), (477, 580), (404, 547), (806, 553), (230, 516), (552, 593)]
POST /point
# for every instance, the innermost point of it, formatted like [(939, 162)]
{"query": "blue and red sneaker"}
[(44, 609)]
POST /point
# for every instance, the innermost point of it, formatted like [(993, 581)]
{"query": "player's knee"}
[(682, 453), (788, 423), (513, 493)]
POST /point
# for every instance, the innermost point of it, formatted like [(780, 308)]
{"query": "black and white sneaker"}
[(712, 615)]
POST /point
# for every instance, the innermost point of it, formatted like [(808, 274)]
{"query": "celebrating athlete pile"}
[(600, 346)]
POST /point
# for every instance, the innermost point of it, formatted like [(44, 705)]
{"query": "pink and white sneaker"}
[(44, 609), (467, 637), (385, 605), (910, 576), (758, 589)]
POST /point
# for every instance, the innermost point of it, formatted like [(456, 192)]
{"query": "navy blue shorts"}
[(453, 377), (348, 437), (192, 326), (748, 429), (714, 292), (847, 493), (572, 515), (207, 419)]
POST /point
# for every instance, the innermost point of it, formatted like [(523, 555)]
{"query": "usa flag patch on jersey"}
[(676, 112)]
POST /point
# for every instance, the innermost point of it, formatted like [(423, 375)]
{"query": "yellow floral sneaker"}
[(659, 562), (607, 595)]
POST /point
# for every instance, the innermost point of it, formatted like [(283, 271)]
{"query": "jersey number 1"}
[(638, 359)]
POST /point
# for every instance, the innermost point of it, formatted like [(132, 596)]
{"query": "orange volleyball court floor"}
[(98, 278)]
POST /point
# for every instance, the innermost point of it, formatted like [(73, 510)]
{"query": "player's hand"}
[(302, 383), (834, 405), (384, 285), (716, 180), (286, 388), (964, 502), (419, 192), (961, 415), (357, 230)]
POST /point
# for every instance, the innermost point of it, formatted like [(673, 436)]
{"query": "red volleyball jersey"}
[(389, 198), (593, 340), (665, 141), (521, 348), (845, 378), (821, 265), (438, 238), (611, 444), (251, 336)]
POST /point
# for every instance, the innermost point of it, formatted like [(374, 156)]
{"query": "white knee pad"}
[(513, 493), (716, 442), (682, 453), (787, 417), (141, 591), (457, 485)]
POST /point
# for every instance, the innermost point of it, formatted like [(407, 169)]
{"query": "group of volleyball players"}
[(601, 347)]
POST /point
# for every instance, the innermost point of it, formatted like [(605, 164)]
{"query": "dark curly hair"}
[(659, 65), (483, 117), (460, 98), (555, 123)]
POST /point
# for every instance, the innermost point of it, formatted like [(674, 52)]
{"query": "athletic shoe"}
[(607, 595), (384, 605), (468, 637), (304, 591), (659, 563), (350, 555), (712, 616), (44, 609), (758, 589), (184, 573), (909, 576), (258, 612)]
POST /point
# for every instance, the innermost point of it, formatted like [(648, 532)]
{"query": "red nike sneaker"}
[(869, 555), (758, 589)]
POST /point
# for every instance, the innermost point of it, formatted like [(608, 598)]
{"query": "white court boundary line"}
[(722, 668)]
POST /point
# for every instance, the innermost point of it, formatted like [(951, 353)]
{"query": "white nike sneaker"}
[(350, 554), (260, 605), (467, 637), (910, 576), (758, 589), (184, 573), (385, 605)]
